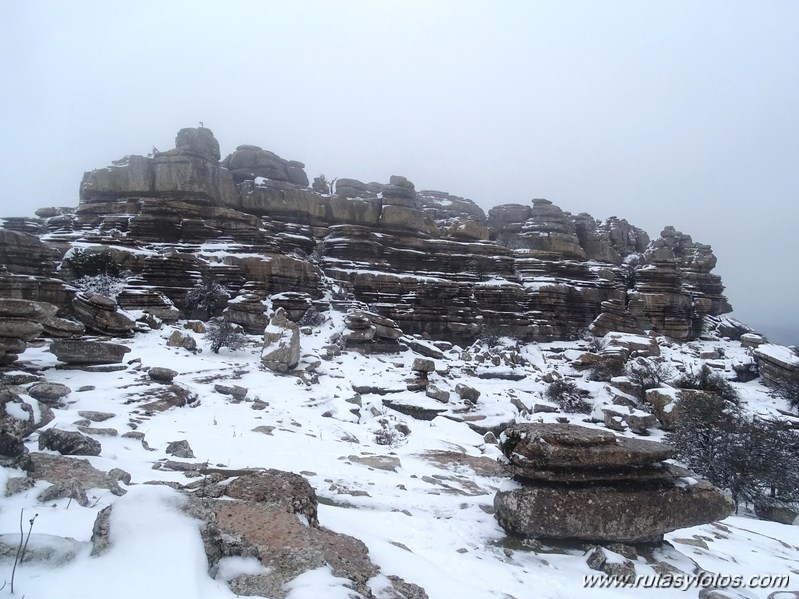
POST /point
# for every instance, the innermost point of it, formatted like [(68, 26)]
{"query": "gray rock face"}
[(71, 488), (432, 262), (21, 321), (249, 162), (16, 427), (558, 446), (68, 442), (88, 352), (276, 487), (579, 483), (102, 314), (609, 513), (281, 351), (424, 365), (467, 392), (778, 365), (371, 333), (199, 141), (248, 311)]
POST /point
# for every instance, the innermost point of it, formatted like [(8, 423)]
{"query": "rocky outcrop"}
[(21, 321), (281, 350), (80, 352), (102, 315), (270, 516), (252, 162), (68, 442), (248, 311), (778, 365), (432, 262), (367, 332), (578, 483)]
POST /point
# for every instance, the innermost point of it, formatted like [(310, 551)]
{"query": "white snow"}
[(427, 521)]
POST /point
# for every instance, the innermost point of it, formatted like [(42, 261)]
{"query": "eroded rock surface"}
[(578, 483)]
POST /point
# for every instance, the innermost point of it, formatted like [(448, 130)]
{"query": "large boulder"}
[(578, 483), (281, 350), (102, 315), (533, 448), (608, 513), (76, 351), (21, 321), (199, 141)]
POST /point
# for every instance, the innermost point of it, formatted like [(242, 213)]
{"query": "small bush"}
[(311, 318), (752, 458), (708, 381), (648, 374), (106, 285), (568, 396), (91, 265), (221, 333), (608, 367), (207, 295), (389, 436), (789, 390)]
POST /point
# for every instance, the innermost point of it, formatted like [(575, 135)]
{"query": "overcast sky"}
[(683, 112)]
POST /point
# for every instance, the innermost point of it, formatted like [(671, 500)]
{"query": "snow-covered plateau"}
[(417, 492)]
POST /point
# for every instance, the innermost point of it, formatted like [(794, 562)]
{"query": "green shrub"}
[(83, 264), (568, 396)]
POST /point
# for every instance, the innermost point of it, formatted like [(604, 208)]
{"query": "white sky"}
[(683, 112)]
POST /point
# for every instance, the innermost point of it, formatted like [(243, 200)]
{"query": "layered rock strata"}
[(21, 321), (430, 261), (577, 483)]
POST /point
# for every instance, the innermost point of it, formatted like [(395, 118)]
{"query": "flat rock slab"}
[(56, 469), (379, 462), (88, 352), (553, 446), (415, 409), (632, 513)]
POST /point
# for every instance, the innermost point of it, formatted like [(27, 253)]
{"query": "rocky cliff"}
[(432, 262)]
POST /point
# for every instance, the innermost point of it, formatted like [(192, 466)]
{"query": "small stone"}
[(467, 392), (438, 394), (71, 488), (68, 442), (162, 375), (237, 392), (180, 449), (95, 416), (423, 365), (49, 392)]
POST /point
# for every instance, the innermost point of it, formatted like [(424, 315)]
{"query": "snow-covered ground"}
[(428, 520)]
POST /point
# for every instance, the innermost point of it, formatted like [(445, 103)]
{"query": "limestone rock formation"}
[(80, 352), (576, 483), (778, 365), (21, 321), (101, 314), (368, 332), (281, 350), (430, 261)]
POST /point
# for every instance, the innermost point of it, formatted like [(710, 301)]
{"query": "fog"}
[(682, 112)]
